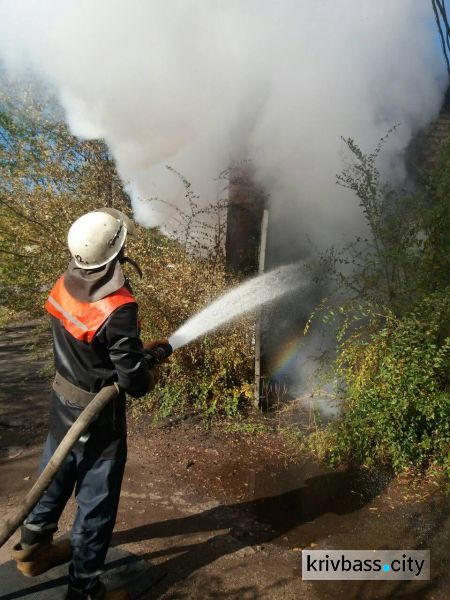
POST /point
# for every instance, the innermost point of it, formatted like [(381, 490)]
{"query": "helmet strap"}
[(123, 259)]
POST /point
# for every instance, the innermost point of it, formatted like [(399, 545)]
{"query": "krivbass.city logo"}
[(366, 564)]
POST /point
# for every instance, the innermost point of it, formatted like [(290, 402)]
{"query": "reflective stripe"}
[(84, 319), (68, 316), (90, 575), (33, 527)]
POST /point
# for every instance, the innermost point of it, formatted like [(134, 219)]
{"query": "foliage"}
[(397, 400), (211, 375), (404, 253), (248, 427), (392, 305), (48, 178)]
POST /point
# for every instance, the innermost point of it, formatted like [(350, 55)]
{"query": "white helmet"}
[(97, 237)]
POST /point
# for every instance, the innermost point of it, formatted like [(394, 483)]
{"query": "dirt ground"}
[(227, 515)]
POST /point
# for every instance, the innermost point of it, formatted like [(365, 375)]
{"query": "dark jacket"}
[(115, 354)]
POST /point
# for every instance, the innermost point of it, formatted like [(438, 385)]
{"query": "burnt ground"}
[(227, 515)]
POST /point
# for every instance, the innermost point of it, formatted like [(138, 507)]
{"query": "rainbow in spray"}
[(286, 356)]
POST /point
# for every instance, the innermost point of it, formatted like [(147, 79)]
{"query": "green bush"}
[(392, 309), (396, 407)]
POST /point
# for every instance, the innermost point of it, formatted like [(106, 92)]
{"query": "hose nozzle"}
[(157, 353)]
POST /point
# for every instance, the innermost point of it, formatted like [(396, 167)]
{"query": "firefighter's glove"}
[(157, 352)]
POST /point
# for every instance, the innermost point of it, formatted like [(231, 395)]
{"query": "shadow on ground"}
[(122, 569), (269, 518)]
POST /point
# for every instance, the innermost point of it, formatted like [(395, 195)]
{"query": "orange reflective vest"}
[(84, 319)]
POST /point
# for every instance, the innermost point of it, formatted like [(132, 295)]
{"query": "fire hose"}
[(12, 521), (8, 526)]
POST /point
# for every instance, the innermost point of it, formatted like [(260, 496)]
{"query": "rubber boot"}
[(99, 592), (39, 558)]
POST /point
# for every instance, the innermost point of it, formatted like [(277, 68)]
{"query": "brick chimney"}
[(246, 202)]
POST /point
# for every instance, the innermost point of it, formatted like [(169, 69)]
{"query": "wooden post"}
[(261, 266)]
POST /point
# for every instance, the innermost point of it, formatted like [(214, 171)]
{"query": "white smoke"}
[(196, 83)]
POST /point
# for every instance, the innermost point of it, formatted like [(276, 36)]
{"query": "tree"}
[(48, 178)]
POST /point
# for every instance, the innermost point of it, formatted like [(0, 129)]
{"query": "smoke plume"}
[(197, 83)]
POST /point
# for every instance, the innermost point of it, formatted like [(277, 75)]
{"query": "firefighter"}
[(96, 342)]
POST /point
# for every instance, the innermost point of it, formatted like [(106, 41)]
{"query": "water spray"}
[(249, 295)]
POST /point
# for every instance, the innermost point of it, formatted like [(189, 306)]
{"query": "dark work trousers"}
[(97, 483)]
